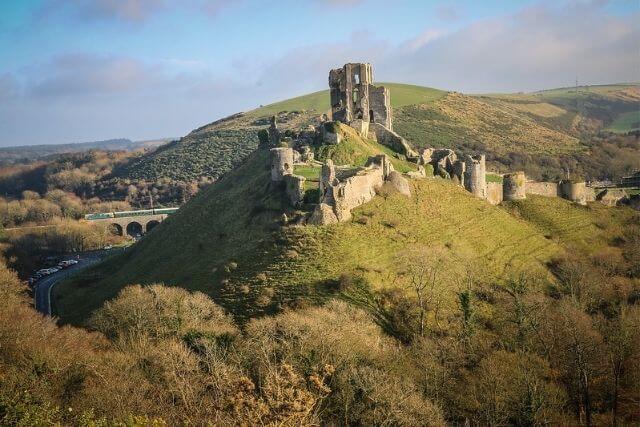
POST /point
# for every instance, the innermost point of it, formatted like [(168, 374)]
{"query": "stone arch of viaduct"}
[(132, 225)]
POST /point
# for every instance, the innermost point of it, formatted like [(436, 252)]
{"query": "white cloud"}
[(82, 97)]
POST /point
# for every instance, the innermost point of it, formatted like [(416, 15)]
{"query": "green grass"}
[(311, 172), (490, 177), (354, 150), (469, 124), (582, 228), (237, 223), (626, 122)]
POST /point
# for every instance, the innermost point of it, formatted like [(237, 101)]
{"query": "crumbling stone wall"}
[(274, 133), (494, 193), (339, 197), (445, 163), (295, 189), (475, 180), (547, 189), (380, 106), (330, 133), (612, 196), (392, 140), (514, 186), (281, 162), (349, 90)]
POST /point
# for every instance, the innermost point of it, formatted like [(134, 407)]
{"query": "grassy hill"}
[(229, 243)]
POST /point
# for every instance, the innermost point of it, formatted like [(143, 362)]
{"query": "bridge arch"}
[(134, 228), (116, 229), (151, 225)]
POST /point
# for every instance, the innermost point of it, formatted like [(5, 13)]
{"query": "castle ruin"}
[(355, 100), (357, 103)]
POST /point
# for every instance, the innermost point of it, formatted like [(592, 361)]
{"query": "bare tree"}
[(423, 266)]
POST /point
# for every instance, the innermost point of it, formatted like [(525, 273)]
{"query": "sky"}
[(85, 70)]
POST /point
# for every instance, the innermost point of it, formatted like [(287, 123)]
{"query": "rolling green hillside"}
[(610, 106)]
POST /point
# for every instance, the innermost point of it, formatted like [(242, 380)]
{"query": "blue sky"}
[(83, 70)]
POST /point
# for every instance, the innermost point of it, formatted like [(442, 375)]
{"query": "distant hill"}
[(18, 154)]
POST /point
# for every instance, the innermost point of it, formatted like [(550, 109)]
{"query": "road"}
[(45, 285)]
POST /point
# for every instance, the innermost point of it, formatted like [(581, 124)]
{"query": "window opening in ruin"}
[(355, 96), (371, 116), (357, 78), (286, 166)]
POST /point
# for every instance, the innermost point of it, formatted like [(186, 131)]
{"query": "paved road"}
[(45, 285)]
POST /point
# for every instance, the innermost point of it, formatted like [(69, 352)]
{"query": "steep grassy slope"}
[(228, 243), (585, 229)]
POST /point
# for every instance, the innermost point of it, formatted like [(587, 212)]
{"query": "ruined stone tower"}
[(475, 175), (281, 163), (574, 191), (355, 99), (513, 186)]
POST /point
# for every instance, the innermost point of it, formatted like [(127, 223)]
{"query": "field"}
[(626, 122)]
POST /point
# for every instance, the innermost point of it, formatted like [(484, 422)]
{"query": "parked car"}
[(106, 248)]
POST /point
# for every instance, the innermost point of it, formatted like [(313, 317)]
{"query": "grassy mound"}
[(228, 243), (354, 150)]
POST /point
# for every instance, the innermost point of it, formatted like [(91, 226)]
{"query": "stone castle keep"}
[(366, 108), (355, 100)]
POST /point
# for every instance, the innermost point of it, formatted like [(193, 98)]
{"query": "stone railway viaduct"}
[(136, 222)]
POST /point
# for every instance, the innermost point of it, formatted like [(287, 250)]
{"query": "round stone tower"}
[(281, 162), (513, 186), (475, 175), (574, 191)]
